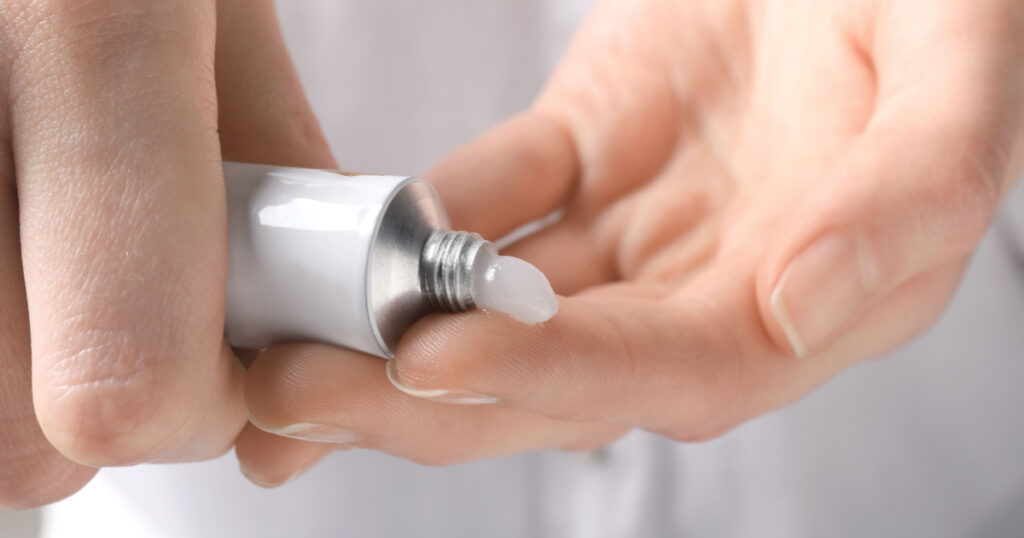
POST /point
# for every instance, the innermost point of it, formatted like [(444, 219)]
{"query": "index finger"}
[(123, 230), (518, 172), (668, 365)]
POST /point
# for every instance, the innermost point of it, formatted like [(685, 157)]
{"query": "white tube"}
[(300, 243)]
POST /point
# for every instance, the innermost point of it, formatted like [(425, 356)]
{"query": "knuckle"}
[(104, 406)]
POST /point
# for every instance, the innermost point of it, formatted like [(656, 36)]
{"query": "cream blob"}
[(513, 286)]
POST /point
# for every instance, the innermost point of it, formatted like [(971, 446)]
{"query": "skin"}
[(696, 148), (113, 226), (756, 196)]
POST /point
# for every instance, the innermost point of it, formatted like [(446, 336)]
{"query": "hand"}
[(113, 229), (756, 195)]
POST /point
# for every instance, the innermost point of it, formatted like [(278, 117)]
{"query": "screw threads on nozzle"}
[(446, 269)]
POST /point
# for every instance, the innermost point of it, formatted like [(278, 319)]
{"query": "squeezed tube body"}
[(323, 256)]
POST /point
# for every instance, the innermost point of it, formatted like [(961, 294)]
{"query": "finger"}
[(270, 460), (520, 171), (265, 118), (123, 231), (568, 257), (336, 396), (32, 472), (899, 316), (660, 233), (689, 366), (917, 190), (264, 114), (947, 49), (660, 364)]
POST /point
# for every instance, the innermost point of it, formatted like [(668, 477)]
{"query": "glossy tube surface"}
[(355, 260), (300, 255)]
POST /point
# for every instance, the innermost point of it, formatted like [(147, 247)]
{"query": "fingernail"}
[(459, 397), (320, 433), (822, 289)]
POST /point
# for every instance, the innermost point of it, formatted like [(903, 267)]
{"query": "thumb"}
[(916, 190), (906, 199)]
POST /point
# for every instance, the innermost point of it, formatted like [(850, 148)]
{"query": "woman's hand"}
[(756, 195), (113, 238)]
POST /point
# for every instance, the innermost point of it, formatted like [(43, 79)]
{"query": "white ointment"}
[(513, 286)]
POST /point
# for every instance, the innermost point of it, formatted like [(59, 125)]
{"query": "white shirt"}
[(927, 442)]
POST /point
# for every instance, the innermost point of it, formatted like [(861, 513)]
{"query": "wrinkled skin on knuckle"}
[(101, 404), (108, 383)]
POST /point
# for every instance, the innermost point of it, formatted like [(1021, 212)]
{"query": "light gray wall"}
[(23, 524)]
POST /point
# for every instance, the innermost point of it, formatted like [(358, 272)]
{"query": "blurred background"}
[(17, 524), (399, 83)]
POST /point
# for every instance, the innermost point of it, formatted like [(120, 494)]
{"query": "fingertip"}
[(515, 173), (286, 391), (270, 461), (273, 380), (437, 355)]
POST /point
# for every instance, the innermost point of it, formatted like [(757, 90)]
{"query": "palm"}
[(695, 147), (682, 121)]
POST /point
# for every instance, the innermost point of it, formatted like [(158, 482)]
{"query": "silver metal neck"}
[(446, 269), (416, 265)]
